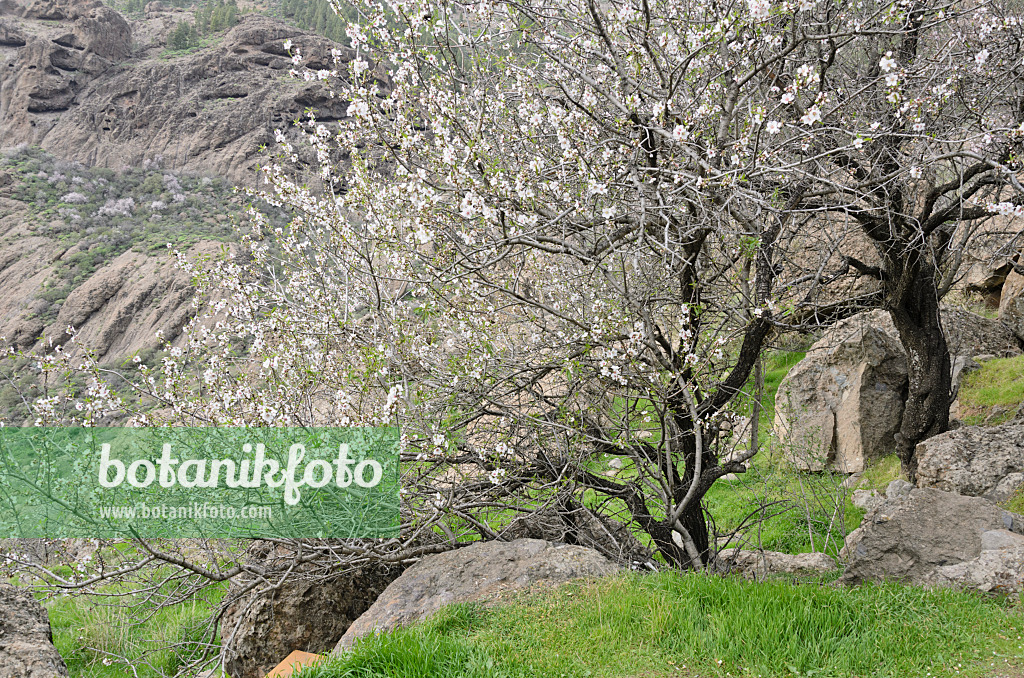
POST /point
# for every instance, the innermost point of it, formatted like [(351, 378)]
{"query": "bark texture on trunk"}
[(914, 309)]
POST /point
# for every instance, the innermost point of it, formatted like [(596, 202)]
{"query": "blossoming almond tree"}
[(557, 229), (551, 235)]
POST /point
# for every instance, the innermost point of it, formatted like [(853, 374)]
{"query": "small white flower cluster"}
[(759, 9), (1006, 209)]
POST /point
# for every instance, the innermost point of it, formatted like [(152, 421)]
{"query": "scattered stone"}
[(761, 564), (978, 461), (26, 641), (911, 535), (481, 572), (867, 499)]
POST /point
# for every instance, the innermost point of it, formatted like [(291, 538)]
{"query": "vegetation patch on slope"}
[(673, 624), (992, 394)]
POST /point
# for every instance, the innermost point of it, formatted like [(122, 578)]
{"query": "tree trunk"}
[(915, 312)]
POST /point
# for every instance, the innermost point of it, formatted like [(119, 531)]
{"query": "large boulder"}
[(841, 406), (308, 611), (999, 566), (482, 571), (916, 534), (978, 461), (26, 641), (1011, 303)]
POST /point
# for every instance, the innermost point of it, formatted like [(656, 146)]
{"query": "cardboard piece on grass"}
[(294, 661)]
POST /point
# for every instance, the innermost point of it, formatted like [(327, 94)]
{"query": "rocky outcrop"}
[(309, 613), (117, 312), (978, 461), (80, 90), (842, 404), (481, 572), (929, 537), (46, 70), (762, 564), (26, 642)]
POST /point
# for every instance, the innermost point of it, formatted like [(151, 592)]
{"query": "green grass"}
[(792, 500), (692, 625), (881, 473), (998, 384), (1015, 503), (776, 366), (95, 639)]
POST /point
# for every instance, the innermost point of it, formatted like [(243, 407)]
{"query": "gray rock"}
[(898, 488), (999, 568), (970, 334), (867, 499), (305, 612), (26, 641), (841, 406), (615, 463), (761, 564), (480, 572), (910, 536), (979, 461)]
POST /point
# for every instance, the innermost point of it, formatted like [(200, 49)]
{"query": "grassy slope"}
[(992, 394), (685, 625)]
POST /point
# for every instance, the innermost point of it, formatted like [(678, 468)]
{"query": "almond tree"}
[(557, 230), (550, 235)]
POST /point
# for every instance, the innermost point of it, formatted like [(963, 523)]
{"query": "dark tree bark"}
[(913, 305)]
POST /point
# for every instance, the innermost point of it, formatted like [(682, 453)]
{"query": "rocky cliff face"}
[(82, 82), (93, 87)]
